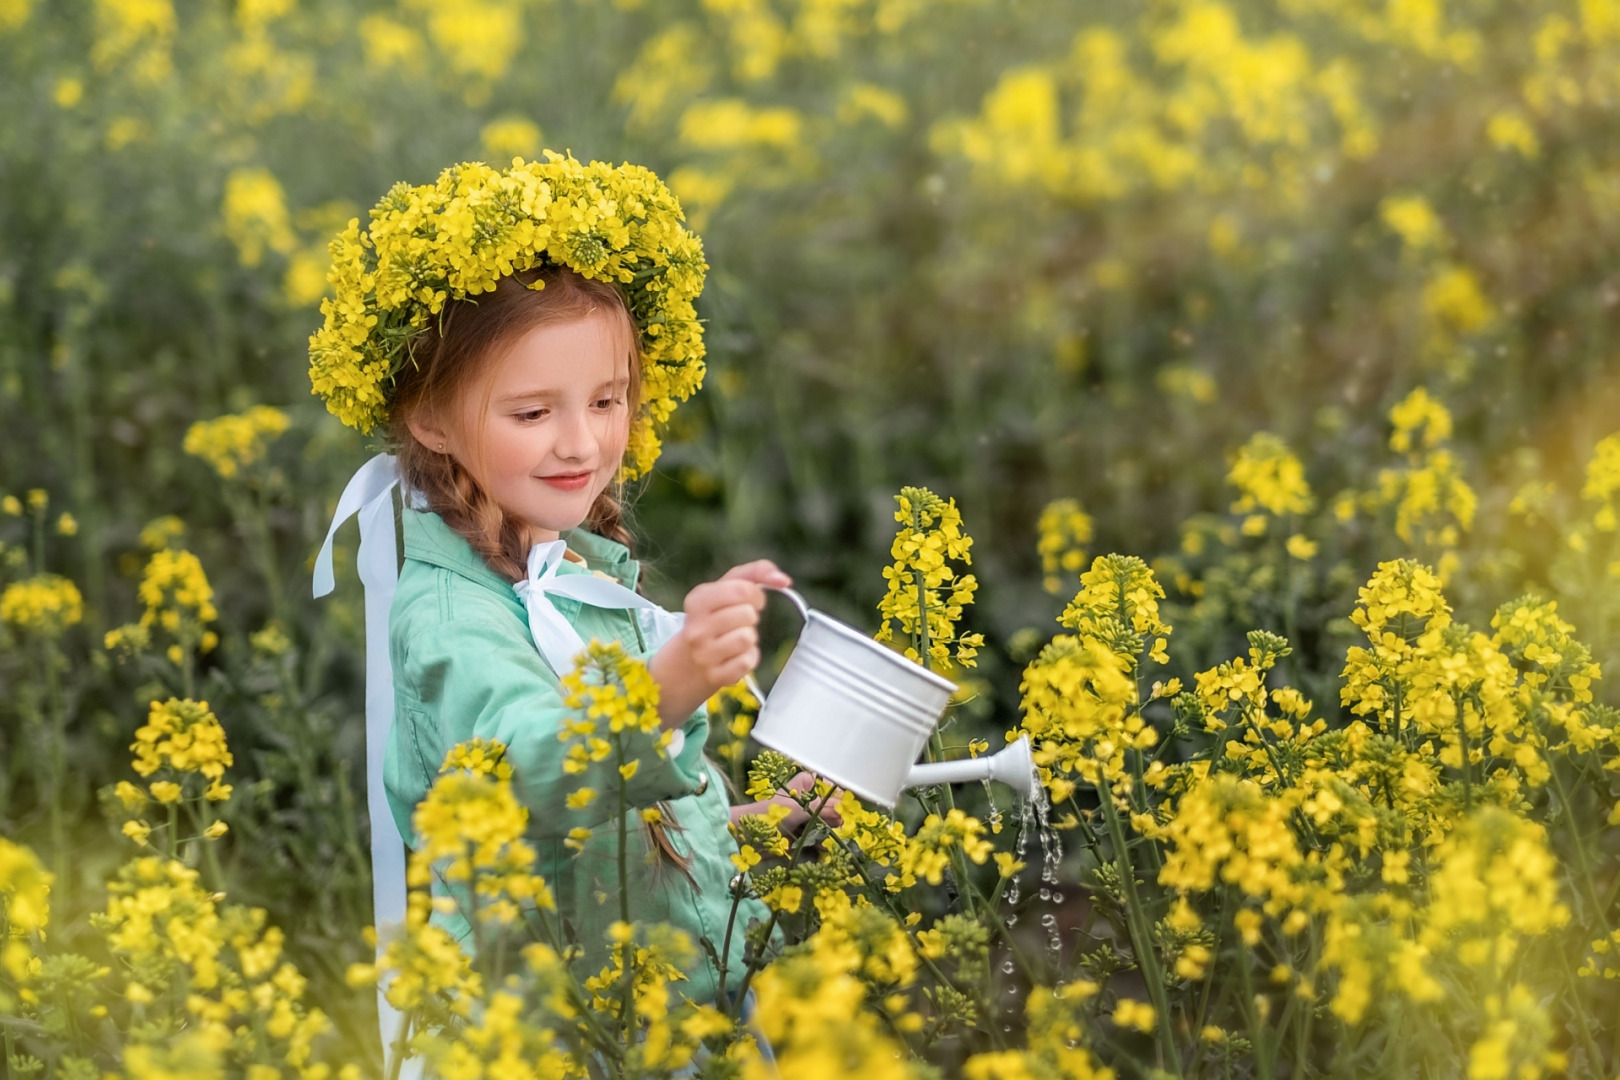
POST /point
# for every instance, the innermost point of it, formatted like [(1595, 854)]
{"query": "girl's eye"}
[(607, 402), (531, 414)]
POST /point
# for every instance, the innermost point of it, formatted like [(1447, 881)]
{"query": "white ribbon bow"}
[(555, 637)]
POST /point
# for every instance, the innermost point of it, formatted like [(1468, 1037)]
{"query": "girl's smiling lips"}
[(568, 481)]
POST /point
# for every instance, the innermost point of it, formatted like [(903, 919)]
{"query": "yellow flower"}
[(745, 858), (1270, 478), (1300, 547), (1134, 1014), (1007, 865), (930, 537), (67, 524), (166, 791), (232, 443), (509, 137), (1064, 529), (25, 888), (255, 219), (1415, 221), (928, 854), (181, 735), (157, 533), (46, 604)]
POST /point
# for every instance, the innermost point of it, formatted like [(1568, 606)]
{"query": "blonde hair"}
[(446, 361)]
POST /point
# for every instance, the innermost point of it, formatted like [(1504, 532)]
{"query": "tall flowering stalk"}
[(926, 594), (236, 446), (42, 609)]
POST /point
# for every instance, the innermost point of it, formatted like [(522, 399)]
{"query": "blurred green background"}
[(1014, 251)]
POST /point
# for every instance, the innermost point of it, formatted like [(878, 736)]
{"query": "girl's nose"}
[(577, 437)]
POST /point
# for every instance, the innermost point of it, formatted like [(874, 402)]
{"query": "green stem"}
[(1467, 765), (1262, 1060), (626, 953), (401, 1039), (1141, 935), (1595, 1067)]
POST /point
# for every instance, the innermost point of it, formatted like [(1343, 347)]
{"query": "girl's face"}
[(545, 434)]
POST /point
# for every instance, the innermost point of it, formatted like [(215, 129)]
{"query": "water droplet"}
[(1006, 1029), (1057, 898), (1008, 967), (1012, 921), (1049, 919), (1045, 893)]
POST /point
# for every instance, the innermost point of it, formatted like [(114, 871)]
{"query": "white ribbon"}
[(555, 637), (370, 494)]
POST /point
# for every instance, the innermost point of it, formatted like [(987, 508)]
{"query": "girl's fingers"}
[(711, 624), (732, 672), (718, 594), (724, 648), (760, 571)]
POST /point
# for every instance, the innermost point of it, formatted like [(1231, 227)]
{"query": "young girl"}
[(511, 389), (513, 424)]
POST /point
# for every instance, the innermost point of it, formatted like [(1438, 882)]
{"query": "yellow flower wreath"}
[(456, 237)]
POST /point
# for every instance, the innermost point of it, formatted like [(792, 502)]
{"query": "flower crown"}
[(457, 237)]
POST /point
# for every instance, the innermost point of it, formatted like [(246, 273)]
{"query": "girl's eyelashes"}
[(540, 412)]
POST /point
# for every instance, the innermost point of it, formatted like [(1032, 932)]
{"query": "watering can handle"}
[(804, 613)]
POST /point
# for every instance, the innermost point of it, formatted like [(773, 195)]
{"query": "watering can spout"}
[(1013, 766)]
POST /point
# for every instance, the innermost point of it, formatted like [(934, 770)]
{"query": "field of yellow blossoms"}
[(1225, 393)]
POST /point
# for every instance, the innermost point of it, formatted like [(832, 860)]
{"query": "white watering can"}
[(857, 713)]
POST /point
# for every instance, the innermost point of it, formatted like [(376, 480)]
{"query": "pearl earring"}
[(441, 448)]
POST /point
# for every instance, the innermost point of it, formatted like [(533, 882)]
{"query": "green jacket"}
[(465, 666)]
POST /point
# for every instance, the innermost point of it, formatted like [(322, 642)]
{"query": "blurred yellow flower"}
[(236, 441)]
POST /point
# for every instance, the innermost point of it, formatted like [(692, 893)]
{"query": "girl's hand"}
[(719, 642), (797, 815)]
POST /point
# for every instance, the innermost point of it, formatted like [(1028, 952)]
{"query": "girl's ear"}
[(427, 430)]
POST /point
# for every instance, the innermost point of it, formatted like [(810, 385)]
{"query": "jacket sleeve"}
[(477, 675)]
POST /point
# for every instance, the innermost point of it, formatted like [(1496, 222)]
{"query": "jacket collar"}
[(428, 539)]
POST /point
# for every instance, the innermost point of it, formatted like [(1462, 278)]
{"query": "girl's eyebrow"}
[(540, 392)]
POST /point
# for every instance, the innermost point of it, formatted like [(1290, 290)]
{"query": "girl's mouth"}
[(568, 481)]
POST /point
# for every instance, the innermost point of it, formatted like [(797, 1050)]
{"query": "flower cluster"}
[(218, 970), (469, 833), (928, 854), (233, 443), (453, 239), (1062, 534), (45, 604), (1433, 504), (178, 600), (930, 537), (182, 752), (1270, 480), (615, 701), (183, 738)]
